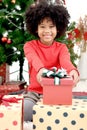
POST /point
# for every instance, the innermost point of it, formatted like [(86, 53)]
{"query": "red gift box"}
[(10, 87), (57, 94)]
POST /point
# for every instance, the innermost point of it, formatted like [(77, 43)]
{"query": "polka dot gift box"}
[(11, 111), (61, 117)]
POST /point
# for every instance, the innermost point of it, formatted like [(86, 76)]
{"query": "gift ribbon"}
[(57, 75), (6, 101)]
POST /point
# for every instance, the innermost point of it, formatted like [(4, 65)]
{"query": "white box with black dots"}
[(60, 117)]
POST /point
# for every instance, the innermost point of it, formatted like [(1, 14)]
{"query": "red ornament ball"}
[(9, 41), (4, 39)]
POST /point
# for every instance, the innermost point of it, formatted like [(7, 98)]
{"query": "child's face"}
[(47, 31)]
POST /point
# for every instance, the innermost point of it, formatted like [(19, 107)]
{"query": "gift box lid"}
[(62, 81)]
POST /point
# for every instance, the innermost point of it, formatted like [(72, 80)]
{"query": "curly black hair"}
[(38, 11)]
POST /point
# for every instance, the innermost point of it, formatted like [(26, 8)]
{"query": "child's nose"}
[(47, 29)]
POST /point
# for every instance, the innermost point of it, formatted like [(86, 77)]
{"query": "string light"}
[(13, 1)]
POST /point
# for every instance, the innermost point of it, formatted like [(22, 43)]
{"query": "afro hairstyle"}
[(36, 13)]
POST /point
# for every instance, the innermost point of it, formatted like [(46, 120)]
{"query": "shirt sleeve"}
[(32, 57), (64, 58)]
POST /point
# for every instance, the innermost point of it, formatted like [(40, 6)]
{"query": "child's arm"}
[(75, 75), (32, 56), (67, 64)]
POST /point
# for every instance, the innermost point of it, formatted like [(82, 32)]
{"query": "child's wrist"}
[(43, 70)]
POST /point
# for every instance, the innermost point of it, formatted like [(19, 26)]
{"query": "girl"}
[(46, 21)]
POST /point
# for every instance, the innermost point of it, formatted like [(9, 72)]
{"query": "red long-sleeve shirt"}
[(40, 55)]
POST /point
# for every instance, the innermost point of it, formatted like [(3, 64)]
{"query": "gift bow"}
[(60, 73), (6, 101)]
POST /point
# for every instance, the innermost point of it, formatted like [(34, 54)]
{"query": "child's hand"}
[(39, 75), (75, 76)]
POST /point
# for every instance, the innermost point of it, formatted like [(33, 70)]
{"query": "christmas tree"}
[(13, 33)]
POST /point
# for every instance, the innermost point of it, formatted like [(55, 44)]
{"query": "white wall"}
[(14, 72), (76, 8)]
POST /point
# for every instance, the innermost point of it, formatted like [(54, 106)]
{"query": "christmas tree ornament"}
[(9, 41), (13, 1), (85, 35), (4, 39)]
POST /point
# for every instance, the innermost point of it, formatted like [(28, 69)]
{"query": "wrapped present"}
[(60, 117), (57, 88), (13, 86), (11, 112), (4, 72)]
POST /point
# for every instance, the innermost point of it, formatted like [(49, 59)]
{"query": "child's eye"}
[(42, 26), (52, 26)]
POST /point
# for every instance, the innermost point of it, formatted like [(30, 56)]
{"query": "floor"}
[(81, 87)]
